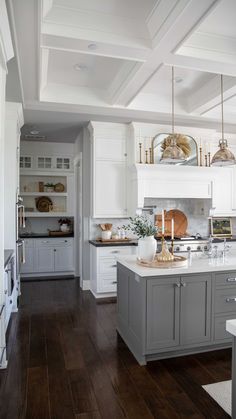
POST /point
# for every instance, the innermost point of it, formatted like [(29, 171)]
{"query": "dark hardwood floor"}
[(66, 361)]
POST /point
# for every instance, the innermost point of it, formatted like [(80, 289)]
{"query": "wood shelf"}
[(47, 214), (43, 194)]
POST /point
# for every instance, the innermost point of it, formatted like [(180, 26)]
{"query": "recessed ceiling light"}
[(34, 132), (80, 67), (178, 79), (92, 47)]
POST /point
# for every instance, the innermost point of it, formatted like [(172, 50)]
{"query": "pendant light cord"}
[(173, 105), (222, 107)]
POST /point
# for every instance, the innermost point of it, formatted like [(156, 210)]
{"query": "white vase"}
[(147, 247), (65, 228)]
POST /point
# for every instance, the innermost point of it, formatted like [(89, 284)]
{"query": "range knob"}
[(188, 248), (199, 248), (205, 247), (177, 249)]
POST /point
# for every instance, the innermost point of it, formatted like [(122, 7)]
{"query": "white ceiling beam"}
[(107, 49), (210, 46), (46, 7), (200, 64), (192, 14), (44, 68), (111, 114), (208, 95)]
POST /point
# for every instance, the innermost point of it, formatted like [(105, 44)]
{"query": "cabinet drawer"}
[(226, 278), (107, 266), (107, 284), (220, 332), (225, 300), (116, 251), (53, 242)]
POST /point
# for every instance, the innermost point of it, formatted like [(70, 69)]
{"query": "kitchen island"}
[(164, 313)]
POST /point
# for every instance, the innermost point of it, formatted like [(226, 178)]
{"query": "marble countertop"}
[(231, 326), (194, 265)]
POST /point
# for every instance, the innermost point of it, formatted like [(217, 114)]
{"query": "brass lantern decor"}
[(223, 157), (173, 153)]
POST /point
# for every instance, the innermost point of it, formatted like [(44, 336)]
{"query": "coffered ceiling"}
[(111, 59)]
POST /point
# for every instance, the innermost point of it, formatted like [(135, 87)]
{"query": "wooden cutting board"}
[(180, 220)]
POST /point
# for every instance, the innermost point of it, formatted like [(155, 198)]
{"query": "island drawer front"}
[(220, 332), (225, 300), (52, 242), (228, 278), (116, 251)]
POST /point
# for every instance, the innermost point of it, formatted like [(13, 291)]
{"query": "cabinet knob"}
[(183, 284), (54, 250), (231, 279)]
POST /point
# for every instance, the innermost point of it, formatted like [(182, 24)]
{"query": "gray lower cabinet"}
[(166, 316), (163, 323), (178, 311), (195, 309)]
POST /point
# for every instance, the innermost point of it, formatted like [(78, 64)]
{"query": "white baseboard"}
[(103, 294), (85, 285)]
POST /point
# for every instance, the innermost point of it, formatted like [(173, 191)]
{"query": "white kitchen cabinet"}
[(44, 259), (108, 170), (63, 259), (103, 268), (28, 266), (49, 256), (110, 189), (223, 192)]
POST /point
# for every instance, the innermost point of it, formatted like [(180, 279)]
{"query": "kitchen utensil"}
[(106, 235), (102, 227), (108, 226), (44, 204), (180, 222)]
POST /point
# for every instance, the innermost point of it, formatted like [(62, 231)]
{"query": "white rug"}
[(221, 393)]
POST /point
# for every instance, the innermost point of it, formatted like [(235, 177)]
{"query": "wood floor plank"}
[(37, 394)]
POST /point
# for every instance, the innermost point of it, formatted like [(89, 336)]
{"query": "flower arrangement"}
[(141, 226)]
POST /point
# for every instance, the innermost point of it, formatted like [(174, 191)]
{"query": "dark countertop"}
[(8, 253), (43, 236), (221, 240), (106, 244)]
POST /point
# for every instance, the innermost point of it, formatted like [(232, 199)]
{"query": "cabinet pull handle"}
[(114, 266), (231, 300), (2, 309), (115, 251), (45, 241), (114, 282), (177, 285), (231, 279)]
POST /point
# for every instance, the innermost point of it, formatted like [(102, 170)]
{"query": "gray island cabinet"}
[(167, 313)]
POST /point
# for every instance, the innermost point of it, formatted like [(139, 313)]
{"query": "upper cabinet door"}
[(63, 163), (110, 189), (110, 149), (44, 163), (26, 162)]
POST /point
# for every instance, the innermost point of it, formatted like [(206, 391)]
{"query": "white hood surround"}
[(163, 181)]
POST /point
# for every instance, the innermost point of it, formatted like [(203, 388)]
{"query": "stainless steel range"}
[(187, 245)]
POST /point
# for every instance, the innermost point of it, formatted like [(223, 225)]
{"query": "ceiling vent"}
[(33, 137)]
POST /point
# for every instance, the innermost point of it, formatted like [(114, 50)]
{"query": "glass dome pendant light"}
[(223, 157), (173, 154)]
